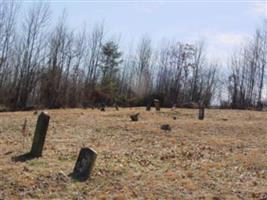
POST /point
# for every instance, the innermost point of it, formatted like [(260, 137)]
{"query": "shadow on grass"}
[(23, 158), (76, 177)]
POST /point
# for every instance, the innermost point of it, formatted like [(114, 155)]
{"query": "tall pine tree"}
[(109, 63)]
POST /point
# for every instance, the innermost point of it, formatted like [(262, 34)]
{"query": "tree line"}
[(247, 72), (53, 66)]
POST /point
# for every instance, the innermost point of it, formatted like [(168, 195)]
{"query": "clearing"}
[(222, 157)]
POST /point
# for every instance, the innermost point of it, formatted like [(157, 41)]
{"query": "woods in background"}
[(54, 66), (247, 76)]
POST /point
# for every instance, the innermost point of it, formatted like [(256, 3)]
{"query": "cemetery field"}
[(223, 156)]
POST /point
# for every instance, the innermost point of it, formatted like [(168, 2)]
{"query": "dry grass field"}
[(221, 157)]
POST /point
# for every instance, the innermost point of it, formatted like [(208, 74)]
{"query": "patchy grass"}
[(221, 157)]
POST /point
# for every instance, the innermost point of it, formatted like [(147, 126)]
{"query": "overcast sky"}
[(224, 25)]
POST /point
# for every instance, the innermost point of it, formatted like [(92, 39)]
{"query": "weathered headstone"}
[(39, 135), (173, 106), (201, 113), (91, 106), (166, 127), (102, 107), (134, 117), (148, 107), (259, 106), (116, 106), (157, 104), (84, 164)]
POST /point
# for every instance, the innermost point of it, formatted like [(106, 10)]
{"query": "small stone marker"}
[(166, 127), (201, 113), (173, 106), (102, 107), (84, 164), (116, 106), (157, 104), (134, 117), (39, 135), (259, 106), (89, 106), (148, 107)]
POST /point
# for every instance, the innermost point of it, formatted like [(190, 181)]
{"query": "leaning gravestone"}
[(84, 164), (38, 139), (201, 113), (39, 135), (157, 104)]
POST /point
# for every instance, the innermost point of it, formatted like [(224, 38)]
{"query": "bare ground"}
[(222, 157)]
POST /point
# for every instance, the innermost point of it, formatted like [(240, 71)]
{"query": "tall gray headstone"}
[(201, 113), (39, 135)]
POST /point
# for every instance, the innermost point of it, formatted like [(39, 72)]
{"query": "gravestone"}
[(148, 107), (116, 106), (102, 107), (134, 117), (84, 164), (173, 106), (259, 106), (157, 104), (201, 113), (90, 106), (39, 135), (166, 127)]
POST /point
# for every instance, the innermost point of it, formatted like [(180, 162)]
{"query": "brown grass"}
[(222, 157)]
